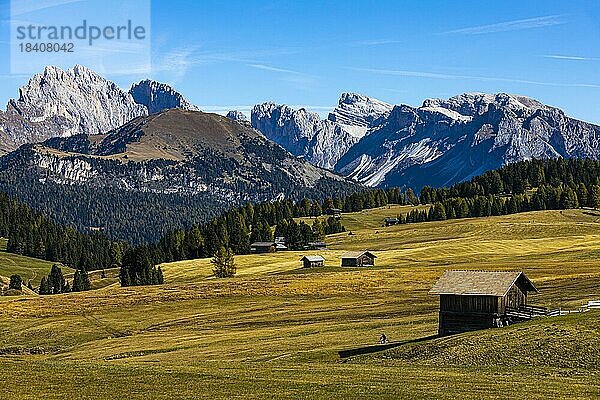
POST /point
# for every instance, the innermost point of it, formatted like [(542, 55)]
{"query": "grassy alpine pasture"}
[(276, 331), (372, 218), (29, 268)]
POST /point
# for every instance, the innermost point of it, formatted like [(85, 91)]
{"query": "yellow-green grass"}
[(3, 243), (275, 331), (29, 268), (372, 218)]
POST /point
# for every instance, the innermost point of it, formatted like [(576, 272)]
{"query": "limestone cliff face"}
[(59, 103), (446, 141), (321, 142), (156, 97)]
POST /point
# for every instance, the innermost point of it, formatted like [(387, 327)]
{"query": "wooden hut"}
[(358, 259), (313, 261), (335, 212), (472, 300), (391, 221), (263, 247)]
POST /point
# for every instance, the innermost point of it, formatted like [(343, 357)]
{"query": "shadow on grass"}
[(359, 351), (593, 214)]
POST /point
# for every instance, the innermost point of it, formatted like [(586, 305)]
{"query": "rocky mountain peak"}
[(237, 115), (63, 103), (156, 96), (356, 113), (473, 104), (303, 133)]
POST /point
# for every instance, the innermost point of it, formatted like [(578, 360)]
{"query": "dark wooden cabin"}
[(472, 300), (358, 259), (391, 221), (263, 247), (312, 261), (335, 212)]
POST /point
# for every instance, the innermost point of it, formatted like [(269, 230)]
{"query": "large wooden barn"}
[(472, 300)]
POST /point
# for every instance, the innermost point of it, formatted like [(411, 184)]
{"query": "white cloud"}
[(376, 42), (433, 75), (571, 58), (274, 69), (517, 25)]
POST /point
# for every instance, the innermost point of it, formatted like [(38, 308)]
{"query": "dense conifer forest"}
[(525, 186)]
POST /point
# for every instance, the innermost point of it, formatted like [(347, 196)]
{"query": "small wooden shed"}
[(472, 300), (312, 261), (358, 259), (391, 221)]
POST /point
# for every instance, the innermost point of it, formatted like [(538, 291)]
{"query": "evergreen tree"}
[(85, 280), (224, 263), (77, 285), (161, 278), (15, 282), (56, 280), (438, 212), (317, 230), (594, 197), (568, 199)]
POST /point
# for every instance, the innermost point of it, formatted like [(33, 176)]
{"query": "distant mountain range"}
[(438, 144), (367, 140)]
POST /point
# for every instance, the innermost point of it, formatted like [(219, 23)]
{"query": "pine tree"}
[(85, 280), (568, 199), (77, 282), (438, 212), (224, 263), (161, 278), (594, 197), (318, 230), (44, 286), (16, 282)]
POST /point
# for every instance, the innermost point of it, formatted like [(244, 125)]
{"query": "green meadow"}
[(279, 331)]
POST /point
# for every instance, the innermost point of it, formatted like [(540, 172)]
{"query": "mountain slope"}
[(321, 142), (447, 141), (64, 103), (176, 158), (356, 113)]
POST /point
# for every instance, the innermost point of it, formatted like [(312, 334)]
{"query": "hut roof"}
[(312, 258), (356, 254), (263, 244), (480, 283)]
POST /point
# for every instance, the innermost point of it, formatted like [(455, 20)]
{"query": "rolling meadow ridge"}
[(279, 331)]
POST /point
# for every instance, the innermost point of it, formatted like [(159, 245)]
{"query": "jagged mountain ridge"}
[(321, 142), (447, 141), (357, 113), (63, 103)]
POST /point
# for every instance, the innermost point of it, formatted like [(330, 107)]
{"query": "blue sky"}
[(234, 54)]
